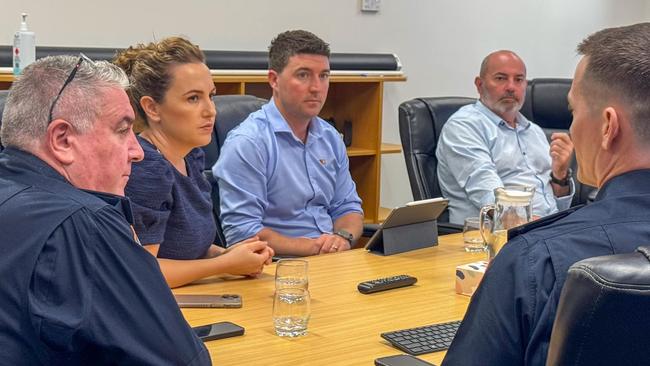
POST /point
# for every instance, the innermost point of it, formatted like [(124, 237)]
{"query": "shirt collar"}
[(31, 162), (522, 122), (279, 124), (120, 203), (629, 183)]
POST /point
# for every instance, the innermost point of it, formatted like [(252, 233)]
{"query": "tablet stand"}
[(399, 239)]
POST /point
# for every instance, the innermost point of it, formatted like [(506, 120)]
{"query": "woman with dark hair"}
[(171, 90)]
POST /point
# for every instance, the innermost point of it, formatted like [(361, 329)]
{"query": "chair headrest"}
[(546, 103), (418, 115), (231, 111)]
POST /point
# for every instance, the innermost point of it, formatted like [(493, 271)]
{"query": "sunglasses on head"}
[(82, 58)]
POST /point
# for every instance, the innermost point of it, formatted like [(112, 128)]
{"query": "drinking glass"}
[(472, 235), (291, 273), (291, 312)]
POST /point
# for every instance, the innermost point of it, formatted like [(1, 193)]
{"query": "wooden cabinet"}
[(354, 98)]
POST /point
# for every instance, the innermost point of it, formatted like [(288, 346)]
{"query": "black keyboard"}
[(427, 339)]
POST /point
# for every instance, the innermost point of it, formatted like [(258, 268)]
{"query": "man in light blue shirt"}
[(283, 173), (490, 144), (510, 317)]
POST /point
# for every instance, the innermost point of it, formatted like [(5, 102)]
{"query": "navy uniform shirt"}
[(510, 317), (75, 288)]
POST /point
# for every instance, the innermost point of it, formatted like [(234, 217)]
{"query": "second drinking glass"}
[(291, 273)]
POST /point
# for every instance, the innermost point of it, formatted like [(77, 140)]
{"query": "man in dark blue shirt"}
[(511, 315), (77, 288)]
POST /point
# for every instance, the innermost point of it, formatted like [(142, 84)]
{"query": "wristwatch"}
[(345, 235), (563, 182)]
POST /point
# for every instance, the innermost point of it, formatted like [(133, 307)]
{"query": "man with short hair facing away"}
[(283, 173), (510, 317), (77, 288), (490, 144)]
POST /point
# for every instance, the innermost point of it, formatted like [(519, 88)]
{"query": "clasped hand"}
[(249, 256), (330, 243), (561, 150)]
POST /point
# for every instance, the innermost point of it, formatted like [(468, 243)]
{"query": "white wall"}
[(440, 42)]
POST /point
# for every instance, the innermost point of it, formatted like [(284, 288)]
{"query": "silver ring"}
[(335, 247)]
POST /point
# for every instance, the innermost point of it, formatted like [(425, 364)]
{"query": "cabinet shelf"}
[(387, 148), (357, 151)]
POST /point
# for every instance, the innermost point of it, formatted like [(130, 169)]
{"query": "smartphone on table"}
[(219, 330), (401, 360), (209, 301)]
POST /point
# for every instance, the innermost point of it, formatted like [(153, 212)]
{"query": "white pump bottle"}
[(24, 50)]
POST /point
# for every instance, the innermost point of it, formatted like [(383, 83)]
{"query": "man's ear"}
[(610, 127), (61, 138), (150, 108), (273, 79), (478, 83)]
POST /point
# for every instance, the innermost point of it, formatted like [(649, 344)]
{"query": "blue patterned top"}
[(169, 208)]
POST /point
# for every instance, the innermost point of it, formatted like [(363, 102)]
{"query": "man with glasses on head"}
[(77, 288)]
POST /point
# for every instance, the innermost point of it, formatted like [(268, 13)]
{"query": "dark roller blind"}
[(228, 60)]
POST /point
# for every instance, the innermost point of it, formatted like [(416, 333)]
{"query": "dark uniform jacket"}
[(75, 288), (510, 317)]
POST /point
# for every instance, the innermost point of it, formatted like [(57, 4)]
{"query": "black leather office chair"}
[(546, 103), (231, 110), (602, 316), (420, 123)]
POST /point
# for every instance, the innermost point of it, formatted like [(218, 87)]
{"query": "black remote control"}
[(383, 284)]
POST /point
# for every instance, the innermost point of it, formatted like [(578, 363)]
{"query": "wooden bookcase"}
[(354, 98)]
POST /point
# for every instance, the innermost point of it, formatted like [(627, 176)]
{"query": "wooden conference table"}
[(345, 325)]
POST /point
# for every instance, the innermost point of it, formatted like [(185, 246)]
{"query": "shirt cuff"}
[(564, 202), (346, 209)]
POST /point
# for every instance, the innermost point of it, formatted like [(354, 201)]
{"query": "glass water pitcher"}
[(512, 207)]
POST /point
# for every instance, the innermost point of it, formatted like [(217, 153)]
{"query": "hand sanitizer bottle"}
[(24, 50)]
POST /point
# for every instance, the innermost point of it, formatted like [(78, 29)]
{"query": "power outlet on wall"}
[(371, 6)]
